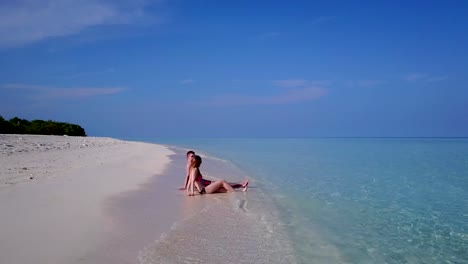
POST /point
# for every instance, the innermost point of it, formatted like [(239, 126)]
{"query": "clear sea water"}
[(359, 200)]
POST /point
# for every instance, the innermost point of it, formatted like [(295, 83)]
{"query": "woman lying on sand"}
[(205, 182), (195, 180)]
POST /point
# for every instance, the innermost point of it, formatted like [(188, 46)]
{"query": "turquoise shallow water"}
[(364, 200)]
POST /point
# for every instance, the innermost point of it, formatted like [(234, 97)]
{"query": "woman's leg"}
[(236, 185), (245, 185), (217, 185)]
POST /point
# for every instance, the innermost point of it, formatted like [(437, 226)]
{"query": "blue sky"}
[(238, 68)]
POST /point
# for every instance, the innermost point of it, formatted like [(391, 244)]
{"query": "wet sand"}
[(240, 227)]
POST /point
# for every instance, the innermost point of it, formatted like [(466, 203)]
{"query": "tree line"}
[(39, 127)]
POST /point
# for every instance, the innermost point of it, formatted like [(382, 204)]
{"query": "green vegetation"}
[(39, 127)]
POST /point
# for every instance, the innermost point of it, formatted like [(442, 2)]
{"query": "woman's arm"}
[(187, 176), (191, 181)]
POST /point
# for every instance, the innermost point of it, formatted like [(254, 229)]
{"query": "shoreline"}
[(59, 217), (104, 200)]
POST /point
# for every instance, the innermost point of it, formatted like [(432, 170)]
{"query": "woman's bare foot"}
[(245, 184)]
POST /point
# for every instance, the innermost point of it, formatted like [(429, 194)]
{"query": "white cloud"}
[(37, 92), (296, 90), (288, 97), (270, 35), (411, 77), (423, 77), (323, 19), (85, 74), (187, 81), (364, 83), (27, 21), (368, 83), (290, 83), (436, 78)]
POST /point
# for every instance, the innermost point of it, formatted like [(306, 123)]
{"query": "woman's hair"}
[(190, 152), (198, 161)]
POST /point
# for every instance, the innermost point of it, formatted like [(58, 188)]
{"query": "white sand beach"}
[(102, 200), (56, 194)]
